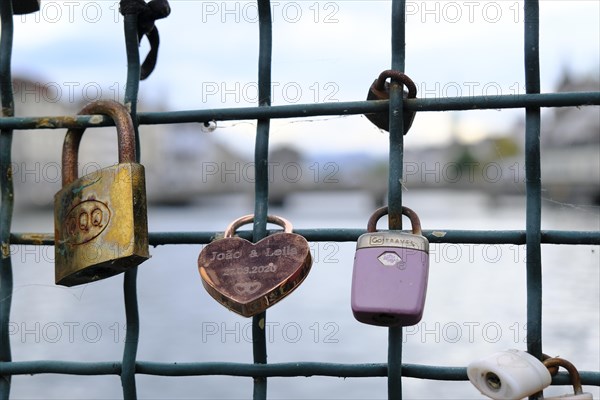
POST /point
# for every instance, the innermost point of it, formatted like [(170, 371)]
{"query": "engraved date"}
[(258, 269)]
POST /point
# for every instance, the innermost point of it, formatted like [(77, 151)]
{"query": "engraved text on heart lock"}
[(246, 277)]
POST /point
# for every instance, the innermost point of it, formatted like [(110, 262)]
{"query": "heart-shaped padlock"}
[(247, 277)]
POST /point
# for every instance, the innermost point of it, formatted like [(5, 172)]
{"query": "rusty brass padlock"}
[(100, 221), (380, 90), (246, 277)]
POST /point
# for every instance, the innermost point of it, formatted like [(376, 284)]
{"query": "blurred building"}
[(182, 161), (186, 162)]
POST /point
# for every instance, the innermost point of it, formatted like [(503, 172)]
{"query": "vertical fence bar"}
[(261, 186), (533, 182), (132, 334), (396, 154), (6, 185)]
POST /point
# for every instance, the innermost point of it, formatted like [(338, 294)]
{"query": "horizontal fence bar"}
[(291, 369), (567, 99), (351, 235)]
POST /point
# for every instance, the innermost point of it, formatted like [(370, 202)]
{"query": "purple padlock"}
[(389, 280)]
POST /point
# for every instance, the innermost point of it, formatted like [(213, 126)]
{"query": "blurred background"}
[(463, 170), (71, 53)]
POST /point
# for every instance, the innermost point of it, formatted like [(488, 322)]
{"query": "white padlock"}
[(575, 380), (510, 374)]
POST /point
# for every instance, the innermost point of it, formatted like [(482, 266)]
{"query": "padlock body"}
[(247, 278), (389, 279), (382, 120), (100, 224), (509, 374)]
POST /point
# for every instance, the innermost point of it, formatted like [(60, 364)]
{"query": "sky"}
[(323, 51)]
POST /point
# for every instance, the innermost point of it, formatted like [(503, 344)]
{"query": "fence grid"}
[(394, 369)]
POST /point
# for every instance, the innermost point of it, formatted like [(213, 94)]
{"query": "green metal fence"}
[(260, 370)]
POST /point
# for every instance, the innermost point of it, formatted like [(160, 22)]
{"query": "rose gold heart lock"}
[(247, 277)]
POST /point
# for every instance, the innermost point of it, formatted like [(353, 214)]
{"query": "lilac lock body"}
[(389, 280)]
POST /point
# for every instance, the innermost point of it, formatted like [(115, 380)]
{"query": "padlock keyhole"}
[(492, 381)]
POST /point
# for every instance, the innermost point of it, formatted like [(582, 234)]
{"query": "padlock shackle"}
[(573, 373), (246, 219), (399, 76), (414, 219), (125, 131)]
